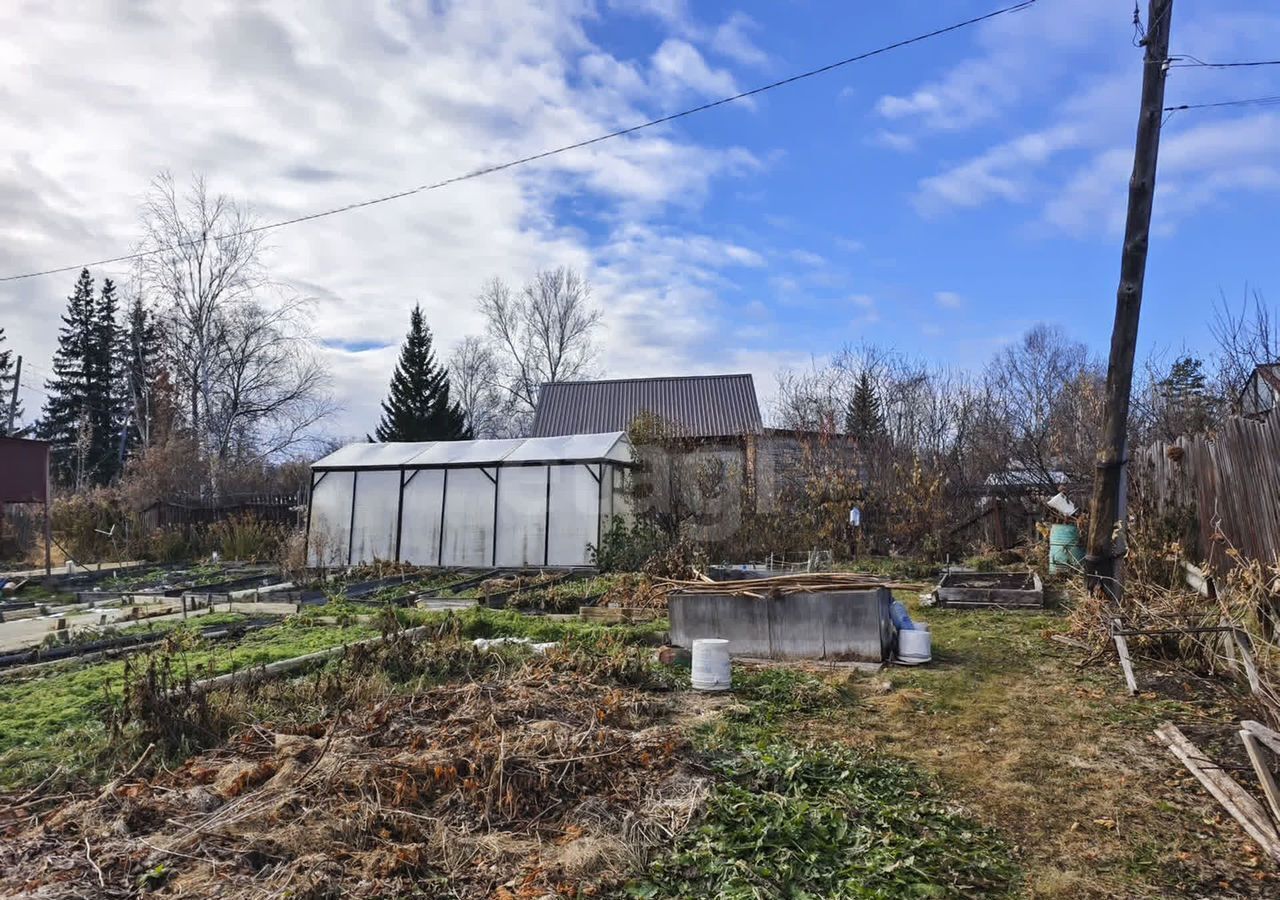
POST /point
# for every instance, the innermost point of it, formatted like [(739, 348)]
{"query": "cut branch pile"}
[(540, 782)]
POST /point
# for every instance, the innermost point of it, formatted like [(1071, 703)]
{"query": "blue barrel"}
[(1065, 551)]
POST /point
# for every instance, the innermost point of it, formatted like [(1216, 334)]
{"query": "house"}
[(1261, 391), (712, 458), (697, 468)]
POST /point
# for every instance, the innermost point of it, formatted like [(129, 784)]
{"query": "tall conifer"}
[(418, 407)]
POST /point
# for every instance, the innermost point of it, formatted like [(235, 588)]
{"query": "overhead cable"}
[(489, 170)]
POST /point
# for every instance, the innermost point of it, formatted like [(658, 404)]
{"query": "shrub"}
[(626, 547), (90, 525), (246, 538)]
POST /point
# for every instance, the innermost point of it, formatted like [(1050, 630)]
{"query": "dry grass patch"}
[(1061, 760)]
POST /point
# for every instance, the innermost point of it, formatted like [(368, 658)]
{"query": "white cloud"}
[(1198, 167), (808, 258), (1004, 172), (254, 98), (949, 299), (893, 140), (732, 39), (1019, 55), (678, 68), (866, 301), (850, 245)]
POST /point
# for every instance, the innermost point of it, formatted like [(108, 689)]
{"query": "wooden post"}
[(1107, 509)]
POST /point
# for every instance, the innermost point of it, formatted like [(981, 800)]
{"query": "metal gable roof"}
[(702, 405)]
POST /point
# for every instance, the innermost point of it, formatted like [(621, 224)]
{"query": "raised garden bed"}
[(990, 590)]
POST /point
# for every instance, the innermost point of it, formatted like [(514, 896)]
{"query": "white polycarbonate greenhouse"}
[(499, 503)]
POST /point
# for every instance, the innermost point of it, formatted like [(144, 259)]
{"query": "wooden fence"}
[(285, 509), (1225, 485)]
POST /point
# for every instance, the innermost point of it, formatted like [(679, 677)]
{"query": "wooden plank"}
[(1122, 649), (1263, 733), (1243, 808), (608, 614), (1246, 658), (1258, 757)]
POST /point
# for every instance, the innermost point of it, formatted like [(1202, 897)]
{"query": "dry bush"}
[(247, 538), (90, 525)]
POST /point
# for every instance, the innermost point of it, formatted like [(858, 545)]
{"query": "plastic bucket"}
[(711, 668), (915, 647), (1065, 551)]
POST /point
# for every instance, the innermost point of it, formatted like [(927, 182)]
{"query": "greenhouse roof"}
[(516, 451)]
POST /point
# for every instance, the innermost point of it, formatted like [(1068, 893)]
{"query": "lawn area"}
[(1058, 758), (56, 715)]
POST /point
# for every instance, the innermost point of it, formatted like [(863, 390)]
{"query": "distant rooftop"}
[(702, 405)]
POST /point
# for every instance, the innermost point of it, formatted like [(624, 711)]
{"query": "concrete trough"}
[(849, 625), (990, 590)]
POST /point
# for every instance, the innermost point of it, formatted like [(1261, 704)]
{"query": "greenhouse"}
[(495, 503)]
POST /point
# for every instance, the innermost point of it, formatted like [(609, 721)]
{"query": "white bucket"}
[(915, 647), (711, 668)]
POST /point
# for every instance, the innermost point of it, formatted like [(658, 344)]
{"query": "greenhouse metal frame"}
[(517, 503)]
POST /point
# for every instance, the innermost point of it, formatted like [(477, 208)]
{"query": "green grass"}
[(792, 818), (56, 717)]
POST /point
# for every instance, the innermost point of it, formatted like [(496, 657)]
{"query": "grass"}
[(1058, 757), (790, 817), (56, 716)]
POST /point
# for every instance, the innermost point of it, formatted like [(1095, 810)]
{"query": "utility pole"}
[(1108, 507), (13, 398)]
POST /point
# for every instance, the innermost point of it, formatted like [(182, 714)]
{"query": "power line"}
[(489, 170), (1187, 61), (1253, 101)]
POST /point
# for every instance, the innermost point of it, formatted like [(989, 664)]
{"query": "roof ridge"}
[(648, 378)]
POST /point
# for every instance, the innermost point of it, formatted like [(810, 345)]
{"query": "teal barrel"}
[(1065, 551)]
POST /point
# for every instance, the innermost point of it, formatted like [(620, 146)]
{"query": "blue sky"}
[(940, 198)]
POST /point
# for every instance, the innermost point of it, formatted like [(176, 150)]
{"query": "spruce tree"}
[(65, 421), (7, 375), (418, 407), (105, 400), (863, 418)]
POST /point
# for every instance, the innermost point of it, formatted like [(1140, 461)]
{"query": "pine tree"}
[(863, 417), (7, 376), (65, 419), (418, 406), (1188, 407)]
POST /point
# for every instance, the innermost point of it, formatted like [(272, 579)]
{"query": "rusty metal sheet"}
[(24, 470)]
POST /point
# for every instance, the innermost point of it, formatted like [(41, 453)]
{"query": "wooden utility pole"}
[(1108, 507), (13, 398)]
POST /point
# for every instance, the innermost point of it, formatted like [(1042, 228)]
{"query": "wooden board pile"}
[(640, 592), (780, 585)]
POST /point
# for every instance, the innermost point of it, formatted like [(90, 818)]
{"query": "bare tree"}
[(1246, 337), (268, 387), (475, 379), (247, 378), (1045, 401), (543, 334)]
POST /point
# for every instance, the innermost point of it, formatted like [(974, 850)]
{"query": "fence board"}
[(1230, 477)]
